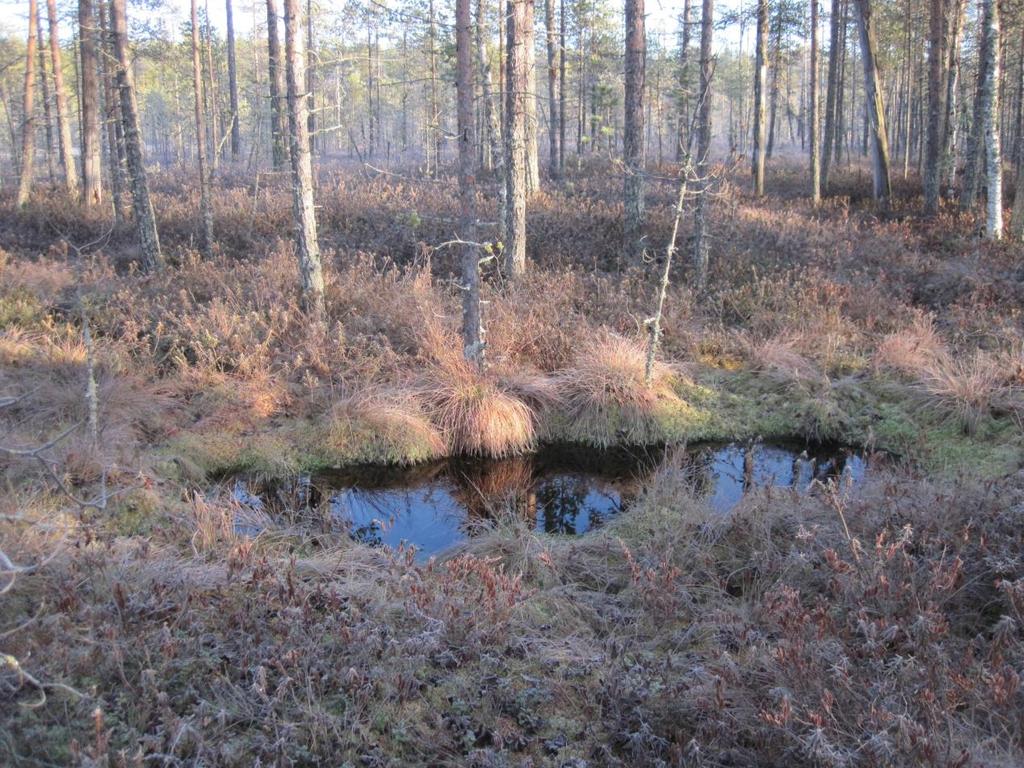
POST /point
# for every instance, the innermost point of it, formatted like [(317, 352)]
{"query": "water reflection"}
[(557, 491)]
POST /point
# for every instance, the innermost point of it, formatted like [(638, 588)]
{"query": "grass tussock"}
[(475, 413), (391, 421), (605, 395)]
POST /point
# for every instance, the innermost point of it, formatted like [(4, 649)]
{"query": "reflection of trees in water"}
[(556, 491)]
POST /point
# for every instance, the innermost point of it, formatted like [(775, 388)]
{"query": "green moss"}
[(359, 442), (136, 512), (719, 406)]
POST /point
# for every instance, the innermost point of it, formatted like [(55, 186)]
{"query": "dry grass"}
[(395, 418), (474, 413), (913, 349), (781, 357), (604, 392), (968, 389)]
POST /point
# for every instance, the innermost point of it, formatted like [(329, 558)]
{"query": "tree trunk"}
[(311, 77), (205, 211), (515, 134), (633, 136), (67, 151), (554, 132), (434, 127), (874, 111), (145, 221), (310, 270), (776, 75), (974, 153), (278, 122), (492, 116), (532, 124), (760, 91), (703, 183), (936, 104), (1017, 222), (472, 331), (813, 107), (44, 93), (28, 124), (236, 129), (92, 155), (684, 138), (212, 101), (562, 86), (951, 132), (112, 117), (990, 110)]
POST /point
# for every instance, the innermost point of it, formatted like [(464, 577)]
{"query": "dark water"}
[(559, 491)]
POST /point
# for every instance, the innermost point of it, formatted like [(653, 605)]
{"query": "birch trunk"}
[(760, 89), (472, 331), (993, 153)]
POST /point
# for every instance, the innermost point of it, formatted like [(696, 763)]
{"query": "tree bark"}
[(112, 117), (562, 86), (974, 152), (278, 122), (633, 136), (67, 151), (939, 12), (703, 182), (92, 155), (311, 76), (532, 124), (236, 129), (145, 220), (684, 139), (28, 124), (554, 132), (874, 110), (492, 116), (813, 108), (990, 110), (307, 246), (515, 133), (205, 212), (760, 88), (472, 331), (44, 92)]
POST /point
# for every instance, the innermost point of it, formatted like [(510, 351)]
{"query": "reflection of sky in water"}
[(773, 466), (427, 517), (438, 509)]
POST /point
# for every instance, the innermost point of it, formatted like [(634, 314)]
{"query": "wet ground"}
[(559, 491)]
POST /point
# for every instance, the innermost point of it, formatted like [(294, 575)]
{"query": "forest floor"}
[(881, 625)]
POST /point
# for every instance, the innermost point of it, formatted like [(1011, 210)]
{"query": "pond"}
[(565, 491)]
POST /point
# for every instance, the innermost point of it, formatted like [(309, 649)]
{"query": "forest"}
[(512, 383)]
